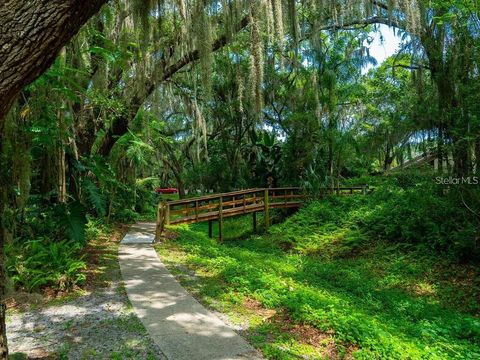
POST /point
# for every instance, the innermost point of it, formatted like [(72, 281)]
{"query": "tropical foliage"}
[(205, 95)]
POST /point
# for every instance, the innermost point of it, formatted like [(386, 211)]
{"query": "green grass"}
[(320, 285)]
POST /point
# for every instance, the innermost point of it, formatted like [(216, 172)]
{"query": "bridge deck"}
[(235, 203)]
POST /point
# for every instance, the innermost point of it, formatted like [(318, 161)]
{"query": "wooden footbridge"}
[(220, 206)]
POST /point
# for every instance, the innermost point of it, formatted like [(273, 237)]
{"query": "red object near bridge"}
[(166, 190)]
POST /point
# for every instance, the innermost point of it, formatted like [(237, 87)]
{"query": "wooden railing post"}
[(167, 213), (163, 218), (266, 209), (158, 229), (196, 210), (220, 219)]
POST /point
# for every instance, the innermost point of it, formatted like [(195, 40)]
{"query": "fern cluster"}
[(41, 262)]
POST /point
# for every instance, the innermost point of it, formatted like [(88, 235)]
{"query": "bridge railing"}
[(220, 206)]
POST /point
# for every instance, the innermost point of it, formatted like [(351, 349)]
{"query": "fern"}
[(76, 222), (41, 262), (95, 198)]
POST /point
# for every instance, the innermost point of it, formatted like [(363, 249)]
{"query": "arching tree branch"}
[(120, 125)]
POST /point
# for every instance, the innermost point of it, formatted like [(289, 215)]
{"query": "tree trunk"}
[(35, 31), (62, 180), (118, 129), (3, 278), (180, 187), (3, 275), (387, 161), (330, 158)]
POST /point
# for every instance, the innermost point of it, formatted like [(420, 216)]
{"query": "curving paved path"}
[(180, 325)]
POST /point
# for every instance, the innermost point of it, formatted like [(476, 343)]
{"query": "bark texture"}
[(32, 34)]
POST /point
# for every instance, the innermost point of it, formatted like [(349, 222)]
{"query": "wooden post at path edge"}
[(163, 218)]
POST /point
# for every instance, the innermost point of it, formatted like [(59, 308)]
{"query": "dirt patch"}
[(98, 253), (257, 308), (322, 341), (169, 235)]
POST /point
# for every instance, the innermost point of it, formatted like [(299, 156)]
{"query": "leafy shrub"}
[(54, 222), (423, 215), (407, 209), (146, 198), (125, 216), (39, 263)]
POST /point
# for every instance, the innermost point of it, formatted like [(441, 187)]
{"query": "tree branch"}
[(120, 125), (363, 23)]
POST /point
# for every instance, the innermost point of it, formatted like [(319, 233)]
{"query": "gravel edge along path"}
[(98, 323)]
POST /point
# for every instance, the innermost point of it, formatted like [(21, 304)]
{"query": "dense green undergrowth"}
[(48, 261), (49, 248), (379, 276)]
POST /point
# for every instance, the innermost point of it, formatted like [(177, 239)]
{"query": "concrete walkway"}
[(182, 327)]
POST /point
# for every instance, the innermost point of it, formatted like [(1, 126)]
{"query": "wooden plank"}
[(252, 191), (215, 214), (229, 194)]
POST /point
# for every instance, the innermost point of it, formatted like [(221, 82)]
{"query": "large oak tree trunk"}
[(32, 34)]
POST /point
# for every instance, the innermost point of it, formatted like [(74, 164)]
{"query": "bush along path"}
[(181, 326), (96, 322)]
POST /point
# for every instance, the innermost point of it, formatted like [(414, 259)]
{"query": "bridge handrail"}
[(215, 196), (256, 190), (195, 210)]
